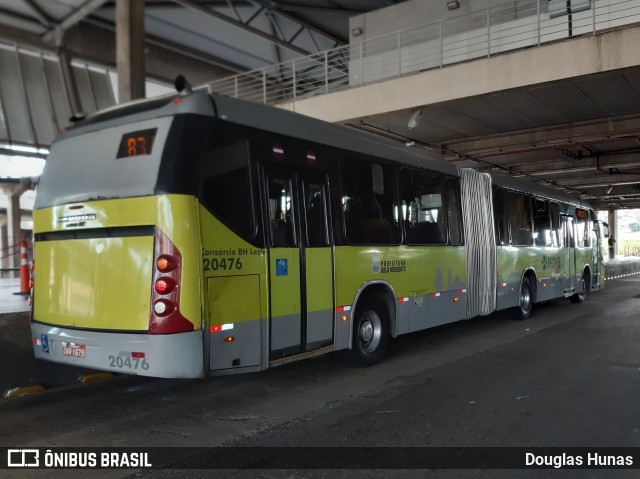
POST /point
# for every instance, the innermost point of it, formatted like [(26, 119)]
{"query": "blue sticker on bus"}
[(45, 343), (282, 267)]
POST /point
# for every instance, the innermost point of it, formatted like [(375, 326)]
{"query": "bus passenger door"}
[(569, 253), (317, 265), (300, 263), (597, 255)]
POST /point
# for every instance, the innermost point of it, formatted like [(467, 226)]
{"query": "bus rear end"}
[(117, 279)]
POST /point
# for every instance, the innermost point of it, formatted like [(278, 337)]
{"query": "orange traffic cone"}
[(31, 270), (24, 269), (33, 266)]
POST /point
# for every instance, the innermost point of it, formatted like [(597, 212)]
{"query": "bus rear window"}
[(88, 165), (137, 143)]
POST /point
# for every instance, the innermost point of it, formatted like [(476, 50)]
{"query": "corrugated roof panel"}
[(85, 92), (528, 106), (33, 100), (102, 89), (59, 100), (13, 100), (612, 92), (570, 102), (42, 116)]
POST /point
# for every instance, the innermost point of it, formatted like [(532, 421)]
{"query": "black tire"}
[(585, 287), (525, 300), (370, 331)]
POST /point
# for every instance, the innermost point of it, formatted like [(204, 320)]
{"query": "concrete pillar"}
[(13, 191), (4, 249), (130, 49), (613, 232)]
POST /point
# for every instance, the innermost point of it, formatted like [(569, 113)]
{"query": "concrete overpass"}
[(565, 113), (510, 87)]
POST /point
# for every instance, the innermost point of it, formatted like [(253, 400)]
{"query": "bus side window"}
[(541, 223), (501, 205), (424, 215), (369, 202), (557, 238), (520, 219), (225, 188), (454, 214)]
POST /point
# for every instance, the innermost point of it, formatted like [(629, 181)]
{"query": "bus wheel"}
[(584, 289), (370, 331), (525, 303)]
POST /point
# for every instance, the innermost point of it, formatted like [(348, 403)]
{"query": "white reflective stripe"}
[(225, 327)]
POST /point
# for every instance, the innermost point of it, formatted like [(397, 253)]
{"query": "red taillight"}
[(165, 316), (164, 285)]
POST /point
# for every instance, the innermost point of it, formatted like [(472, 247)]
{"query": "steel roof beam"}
[(56, 33), (173, 47), (553, 166), (599, 181), (243, 26), (42, 16), (323, 10), (548, 137), (275, 8)]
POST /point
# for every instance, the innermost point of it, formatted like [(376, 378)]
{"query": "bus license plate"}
[(74, 350)]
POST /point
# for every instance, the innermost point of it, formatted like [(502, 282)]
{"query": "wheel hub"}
[(366, 331), (525, 299), (370, 331)]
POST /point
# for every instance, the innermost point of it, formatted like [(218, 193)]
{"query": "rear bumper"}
[(165, 356)]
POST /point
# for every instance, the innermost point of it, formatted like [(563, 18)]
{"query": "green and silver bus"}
[(197, 235)]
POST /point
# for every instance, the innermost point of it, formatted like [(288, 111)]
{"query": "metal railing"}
[(485, 33)]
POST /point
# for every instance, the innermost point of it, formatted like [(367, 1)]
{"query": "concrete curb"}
[(22, 391)]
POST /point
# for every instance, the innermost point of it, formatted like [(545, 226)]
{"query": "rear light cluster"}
[(165, 317)]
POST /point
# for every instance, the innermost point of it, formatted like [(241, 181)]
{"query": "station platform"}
[(9, 302), (19, 367)]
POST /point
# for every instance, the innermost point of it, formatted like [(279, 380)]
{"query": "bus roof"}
[(289, 123)]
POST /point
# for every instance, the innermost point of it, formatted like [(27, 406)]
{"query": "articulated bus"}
[(197, 235)]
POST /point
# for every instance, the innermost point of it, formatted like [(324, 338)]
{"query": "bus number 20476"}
[(127, 362), (214, 264)]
